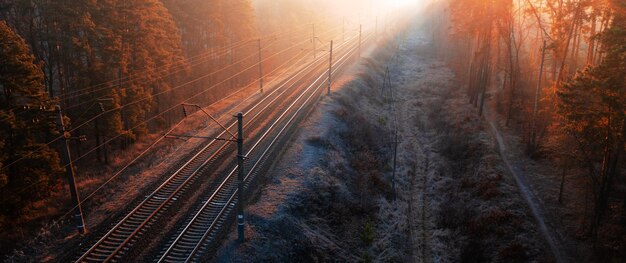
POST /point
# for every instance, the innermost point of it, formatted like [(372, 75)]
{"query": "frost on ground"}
[(334, 195)]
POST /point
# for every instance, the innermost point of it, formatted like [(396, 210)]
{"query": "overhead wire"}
[(183, 65), (165, 134), (173, 127), (169, 72), (138, 101), (157, 115), (194, 58)]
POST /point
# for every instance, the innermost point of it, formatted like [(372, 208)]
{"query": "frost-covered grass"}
[(337, 202), (479, 214), (332, 197)]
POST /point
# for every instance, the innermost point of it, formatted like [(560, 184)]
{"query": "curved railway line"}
[(266, 121)]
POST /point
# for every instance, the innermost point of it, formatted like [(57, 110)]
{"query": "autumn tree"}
[(474, 22), (593, 108), (208, 27), (23, 133), (150, 46)]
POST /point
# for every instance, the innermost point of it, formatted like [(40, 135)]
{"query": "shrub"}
[(474, 251), (513, 251), (453, 214), (368, 235), (460, 150), (377, 184), (321, 142), (491, 222), (488, 189), (467, 182), (498, 216), (366, 258)]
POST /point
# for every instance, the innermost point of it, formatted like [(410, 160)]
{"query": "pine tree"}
[(209, 25), (593, 109), (22, 133), (239, 21), (150, 46)]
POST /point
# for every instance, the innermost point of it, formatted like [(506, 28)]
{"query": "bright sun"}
[(404, 2)]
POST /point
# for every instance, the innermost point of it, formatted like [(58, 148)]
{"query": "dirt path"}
[(415, 156), (534, 203), (419, 213)]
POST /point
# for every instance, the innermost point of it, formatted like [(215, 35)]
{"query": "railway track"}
[(197, 236), (115, 244)]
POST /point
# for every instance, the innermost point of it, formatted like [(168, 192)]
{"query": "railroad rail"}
[(117, 242), (195, 238)]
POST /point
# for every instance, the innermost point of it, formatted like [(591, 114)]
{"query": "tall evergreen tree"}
[(22, 133), (150, 46), (593, 109), (239, 21)]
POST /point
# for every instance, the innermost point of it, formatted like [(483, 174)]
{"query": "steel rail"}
[(155, 194), (225, 183)]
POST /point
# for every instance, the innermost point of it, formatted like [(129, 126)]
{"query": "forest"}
[(556, 72), (118, 72), (89, 87)]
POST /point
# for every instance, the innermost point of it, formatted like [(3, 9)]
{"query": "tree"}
[(593, 108), (151, 46), (21, 82), (240, 22), (207, 26), (475, 21)]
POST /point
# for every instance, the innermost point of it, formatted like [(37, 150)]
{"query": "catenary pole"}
[(260, 67), (240, 176), (78, 216)]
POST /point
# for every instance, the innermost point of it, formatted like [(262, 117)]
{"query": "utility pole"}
[(105, 148), (387, 80), (395, 155), (98, 133), (78, 216), (260, 68), (330, 66), (97, 126), (240, 160), (240, 177), (360, 29)]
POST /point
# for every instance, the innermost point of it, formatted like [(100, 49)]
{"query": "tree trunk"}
[(599, 54), (576, 50), (486, 70), (533, 136), (611, 156), (592, 42), (97, 135), (561, 72), (512, 77), (624, 211), (562, 184)]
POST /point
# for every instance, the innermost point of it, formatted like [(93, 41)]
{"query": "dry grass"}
[(338, 212), (480, 206)]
